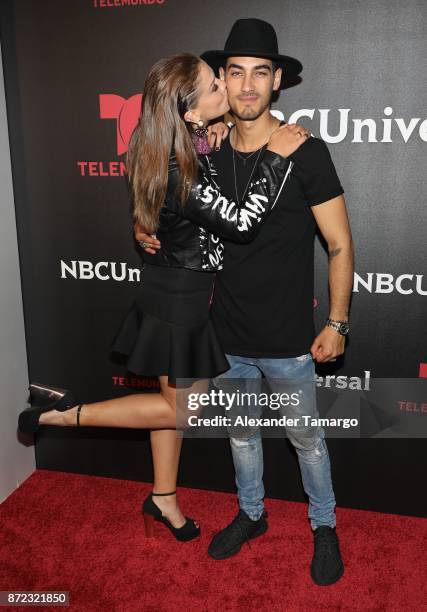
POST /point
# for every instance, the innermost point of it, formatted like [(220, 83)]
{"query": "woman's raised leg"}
[(135, 411), (155, 411)]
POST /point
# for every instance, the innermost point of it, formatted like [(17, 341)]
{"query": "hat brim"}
[(291, 67)]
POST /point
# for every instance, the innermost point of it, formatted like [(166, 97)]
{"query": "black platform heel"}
[(151, 513), (42, 399)]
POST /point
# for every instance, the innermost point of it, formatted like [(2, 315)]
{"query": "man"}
[(263, 301)]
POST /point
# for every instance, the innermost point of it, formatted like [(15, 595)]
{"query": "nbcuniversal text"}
[(371, 282)]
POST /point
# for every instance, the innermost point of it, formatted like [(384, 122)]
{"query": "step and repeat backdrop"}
[(74, 74)]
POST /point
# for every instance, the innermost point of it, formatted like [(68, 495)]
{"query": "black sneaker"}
[(326, 566), (230, 540)]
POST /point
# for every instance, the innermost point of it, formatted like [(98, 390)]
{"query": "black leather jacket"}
[(189, 234)]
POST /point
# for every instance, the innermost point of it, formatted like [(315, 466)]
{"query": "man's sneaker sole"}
[(259, 532)]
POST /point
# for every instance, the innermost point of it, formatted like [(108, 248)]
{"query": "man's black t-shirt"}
[(263, 297)]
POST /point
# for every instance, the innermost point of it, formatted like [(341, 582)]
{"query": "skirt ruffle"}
[(157, 346)]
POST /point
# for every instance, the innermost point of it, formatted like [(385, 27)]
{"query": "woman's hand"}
[(141, 235), (287, 138), (216, 134)]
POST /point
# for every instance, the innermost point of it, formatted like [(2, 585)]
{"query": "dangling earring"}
[(200, 139)]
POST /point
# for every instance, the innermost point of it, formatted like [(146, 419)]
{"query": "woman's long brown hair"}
[(170, 90)]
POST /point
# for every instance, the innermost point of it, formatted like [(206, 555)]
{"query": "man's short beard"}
[(251, 115)]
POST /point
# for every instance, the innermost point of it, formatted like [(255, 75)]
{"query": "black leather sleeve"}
[(209, 208)]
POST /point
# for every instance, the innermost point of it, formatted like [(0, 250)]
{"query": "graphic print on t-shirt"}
[(263, 299)]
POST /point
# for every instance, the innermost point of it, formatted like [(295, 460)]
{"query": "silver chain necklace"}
[(250, 177), (245, 159), (238, 201)]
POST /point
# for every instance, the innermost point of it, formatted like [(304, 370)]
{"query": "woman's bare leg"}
[(135, 411), (166, 449), (151, 411)]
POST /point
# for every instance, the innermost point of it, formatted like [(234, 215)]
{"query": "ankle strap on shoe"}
[(78, 414), (160, 494)]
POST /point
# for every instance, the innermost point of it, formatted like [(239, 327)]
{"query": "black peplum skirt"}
[(167, 330)]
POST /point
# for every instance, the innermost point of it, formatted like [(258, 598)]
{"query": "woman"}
[(167, 331)]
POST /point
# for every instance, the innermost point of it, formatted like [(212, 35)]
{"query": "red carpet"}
[(85, 535)]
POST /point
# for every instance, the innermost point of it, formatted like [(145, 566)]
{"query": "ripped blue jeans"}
[(309, 441)]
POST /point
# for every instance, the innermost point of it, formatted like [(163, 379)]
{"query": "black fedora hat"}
[(253, 38)]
